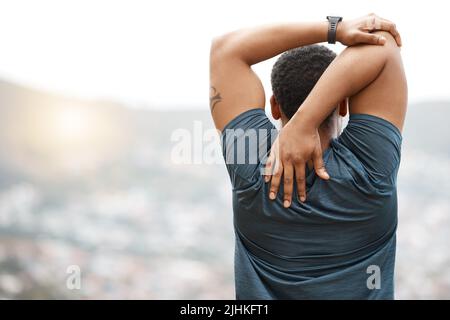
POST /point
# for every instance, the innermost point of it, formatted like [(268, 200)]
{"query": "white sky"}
[(155, 53)]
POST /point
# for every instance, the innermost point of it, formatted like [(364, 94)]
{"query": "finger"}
[(300, 179), (370, 23), (271, 161), (319, 165), (268, 169), (275, 181), (389, 26), (288, 174), (374, 23), (371, 38)]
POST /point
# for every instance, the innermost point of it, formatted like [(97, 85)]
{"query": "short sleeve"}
[(375, 142), (246, 141)]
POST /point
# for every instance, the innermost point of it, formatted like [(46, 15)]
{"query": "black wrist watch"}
[(332, 27)]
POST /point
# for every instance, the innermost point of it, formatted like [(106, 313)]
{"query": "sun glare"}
[(73, 124)]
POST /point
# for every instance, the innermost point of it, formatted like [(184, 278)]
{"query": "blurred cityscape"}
[(92, 184)]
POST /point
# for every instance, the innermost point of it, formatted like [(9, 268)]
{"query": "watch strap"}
[(332, 27)]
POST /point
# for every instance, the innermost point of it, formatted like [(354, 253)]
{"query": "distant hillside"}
[(127, 147), (426, 127)]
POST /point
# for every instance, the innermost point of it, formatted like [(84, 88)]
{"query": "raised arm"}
[(235, 88), (372, 77)]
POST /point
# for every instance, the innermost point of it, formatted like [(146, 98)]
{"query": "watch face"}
[(334, 18)]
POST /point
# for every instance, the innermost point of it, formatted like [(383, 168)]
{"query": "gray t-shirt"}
[(340, 244)]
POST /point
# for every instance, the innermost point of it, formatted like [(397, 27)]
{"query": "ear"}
[(275, 108), (343, 107)]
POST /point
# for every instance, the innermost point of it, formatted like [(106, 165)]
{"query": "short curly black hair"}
[(295, 74)]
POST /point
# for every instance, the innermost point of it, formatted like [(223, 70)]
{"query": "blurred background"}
[(92, 94)]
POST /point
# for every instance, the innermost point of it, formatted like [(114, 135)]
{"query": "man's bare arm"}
[(373, 78), (235, 88)]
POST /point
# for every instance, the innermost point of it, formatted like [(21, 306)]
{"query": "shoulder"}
[(246, 141)]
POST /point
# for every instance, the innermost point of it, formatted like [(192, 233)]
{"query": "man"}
[(335, 239)]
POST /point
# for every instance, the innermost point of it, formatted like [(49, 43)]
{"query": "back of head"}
[(296, 72)]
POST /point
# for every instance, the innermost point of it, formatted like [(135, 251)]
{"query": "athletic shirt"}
[(340, 243)]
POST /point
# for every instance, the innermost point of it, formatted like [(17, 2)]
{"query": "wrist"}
[(339, 32), (322, 31), (333, 23), (304, 120)]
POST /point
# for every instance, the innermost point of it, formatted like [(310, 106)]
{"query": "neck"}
[(326, 133)]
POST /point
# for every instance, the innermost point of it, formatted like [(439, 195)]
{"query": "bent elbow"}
[(218, 47), (225, 46)]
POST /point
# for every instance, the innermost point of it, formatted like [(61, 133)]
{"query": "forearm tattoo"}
[(214, 98)]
